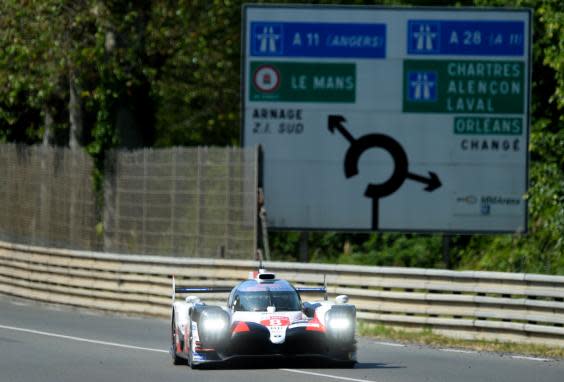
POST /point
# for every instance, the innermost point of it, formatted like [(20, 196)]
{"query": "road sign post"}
[(389, 118)]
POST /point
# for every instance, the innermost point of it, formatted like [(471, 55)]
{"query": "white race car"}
[(264, 317)]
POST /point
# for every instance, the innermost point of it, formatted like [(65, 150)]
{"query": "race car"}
[(264, 317)]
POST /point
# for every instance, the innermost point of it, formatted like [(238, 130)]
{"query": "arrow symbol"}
[(336, 123), (394, 148), (433, 182)]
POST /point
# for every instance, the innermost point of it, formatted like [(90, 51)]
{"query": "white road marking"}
[(531, 358), (460, 351), (114, 344), (391, 344), (79, 339), (327, 375), (18, 303)]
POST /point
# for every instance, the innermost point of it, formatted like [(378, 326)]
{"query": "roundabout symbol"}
[(401, 164)]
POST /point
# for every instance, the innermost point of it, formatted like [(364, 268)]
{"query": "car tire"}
[(176, 360), (347, 364)]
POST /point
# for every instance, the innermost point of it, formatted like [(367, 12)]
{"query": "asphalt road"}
[(51, 343)]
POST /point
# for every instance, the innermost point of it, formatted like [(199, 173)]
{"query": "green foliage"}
[(285, 245), (42, 43), (426, 336), (390, 249), (386, 249), (167, 72), (25, 85), (197, 86), (542, 249)]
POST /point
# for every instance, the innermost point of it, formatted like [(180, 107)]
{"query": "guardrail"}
[(468, 304)]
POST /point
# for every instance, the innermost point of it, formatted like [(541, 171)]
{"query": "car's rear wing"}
[(322, 289), (228, 289), (202, 290), (312, 290), (178, 289)]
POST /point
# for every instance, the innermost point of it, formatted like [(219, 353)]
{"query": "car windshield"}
[(284, 301)]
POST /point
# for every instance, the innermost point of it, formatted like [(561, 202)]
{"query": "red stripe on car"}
[(314, 325), (241, 327)]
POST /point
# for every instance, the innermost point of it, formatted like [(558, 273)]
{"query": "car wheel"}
[(347, 364), (176, 360)]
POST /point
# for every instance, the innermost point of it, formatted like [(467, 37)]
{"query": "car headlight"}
[(213, 324), (339, 323)]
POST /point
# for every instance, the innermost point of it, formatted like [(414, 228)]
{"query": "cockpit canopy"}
[(252, 296)]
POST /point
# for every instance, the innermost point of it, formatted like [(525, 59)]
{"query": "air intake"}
[(265, 276)]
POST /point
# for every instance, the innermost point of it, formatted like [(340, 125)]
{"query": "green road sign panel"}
[(488, 126), (463, 86), (302, 82)]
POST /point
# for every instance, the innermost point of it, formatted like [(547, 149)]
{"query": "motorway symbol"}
[(266, 78), (401, 164), (267, 39), (424, 36), (422, 86)]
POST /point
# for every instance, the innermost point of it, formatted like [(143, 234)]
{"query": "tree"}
[(542, 249), (107, 73)]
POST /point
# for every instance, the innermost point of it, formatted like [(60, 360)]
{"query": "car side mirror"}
[(342, 299), (192, 299)]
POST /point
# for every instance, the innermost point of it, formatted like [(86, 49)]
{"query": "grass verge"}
[(427, 337)]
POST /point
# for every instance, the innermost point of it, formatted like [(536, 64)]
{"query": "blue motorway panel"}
[(481, 38), (329, 40)]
